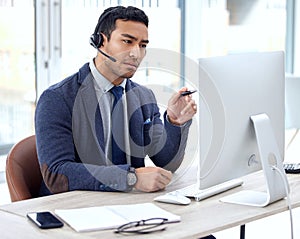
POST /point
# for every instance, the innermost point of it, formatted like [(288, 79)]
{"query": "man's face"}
[(127, 45)]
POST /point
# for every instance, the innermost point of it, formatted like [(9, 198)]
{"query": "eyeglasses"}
[(143, 226)]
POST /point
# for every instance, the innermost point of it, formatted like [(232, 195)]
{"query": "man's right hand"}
[(151, 179)]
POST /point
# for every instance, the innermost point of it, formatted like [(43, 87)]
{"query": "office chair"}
[(23, 173)]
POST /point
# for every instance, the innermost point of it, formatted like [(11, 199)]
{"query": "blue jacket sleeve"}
[(61, 167), (169, 143)]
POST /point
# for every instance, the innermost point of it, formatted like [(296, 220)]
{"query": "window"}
[(219, 27), (211, 27), (256, 25), (17, 71), (71, 23)]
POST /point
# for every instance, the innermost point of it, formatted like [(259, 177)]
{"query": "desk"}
[(197, 219)]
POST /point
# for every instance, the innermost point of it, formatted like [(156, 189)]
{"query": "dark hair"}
[(107, 21)]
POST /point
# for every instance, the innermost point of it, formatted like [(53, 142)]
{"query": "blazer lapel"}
[(135, 117), (87, 123)]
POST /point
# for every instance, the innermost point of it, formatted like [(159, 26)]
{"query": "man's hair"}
[(107, 21)]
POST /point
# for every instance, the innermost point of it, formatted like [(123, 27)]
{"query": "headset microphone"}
[(103, 53), (109, 57)]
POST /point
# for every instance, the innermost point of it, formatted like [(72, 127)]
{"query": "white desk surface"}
[(197, 219)]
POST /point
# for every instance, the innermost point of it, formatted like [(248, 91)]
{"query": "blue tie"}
[(118, 156)]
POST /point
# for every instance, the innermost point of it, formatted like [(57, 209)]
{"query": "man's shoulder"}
[(68, 87), (75, 79)]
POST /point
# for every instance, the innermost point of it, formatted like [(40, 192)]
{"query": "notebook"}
[(110, 217)]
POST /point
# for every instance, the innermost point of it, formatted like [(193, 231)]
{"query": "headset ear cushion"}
[(96, 40), (100, 40), (92, 40)]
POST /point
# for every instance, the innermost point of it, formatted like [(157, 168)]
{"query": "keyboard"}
[(193, 191)]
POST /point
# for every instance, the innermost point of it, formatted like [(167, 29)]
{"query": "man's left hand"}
[(181, 108)]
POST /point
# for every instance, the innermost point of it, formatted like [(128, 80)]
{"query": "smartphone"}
[(45, 220)]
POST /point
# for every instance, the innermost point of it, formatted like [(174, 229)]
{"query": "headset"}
[(96, 39)]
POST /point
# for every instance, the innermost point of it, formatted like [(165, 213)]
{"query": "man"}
[(88, 139)]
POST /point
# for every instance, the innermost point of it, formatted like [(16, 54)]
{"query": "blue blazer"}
[(70, 139)]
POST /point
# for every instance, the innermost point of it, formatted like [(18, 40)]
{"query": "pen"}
[(185, 93)]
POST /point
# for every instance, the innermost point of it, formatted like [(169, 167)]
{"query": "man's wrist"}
[(131, 178), (172, 121)]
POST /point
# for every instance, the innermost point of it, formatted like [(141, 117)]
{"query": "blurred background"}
[(43, 41)]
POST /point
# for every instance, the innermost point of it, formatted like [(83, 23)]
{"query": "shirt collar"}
[(101, 82)]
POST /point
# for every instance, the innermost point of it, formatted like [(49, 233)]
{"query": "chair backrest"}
[(23, 173)]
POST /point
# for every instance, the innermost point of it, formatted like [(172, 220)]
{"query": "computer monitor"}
[(241, 121)]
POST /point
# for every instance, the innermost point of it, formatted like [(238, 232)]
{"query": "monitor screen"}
[(232, 89)]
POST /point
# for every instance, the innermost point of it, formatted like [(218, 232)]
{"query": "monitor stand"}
[(277, 184)]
